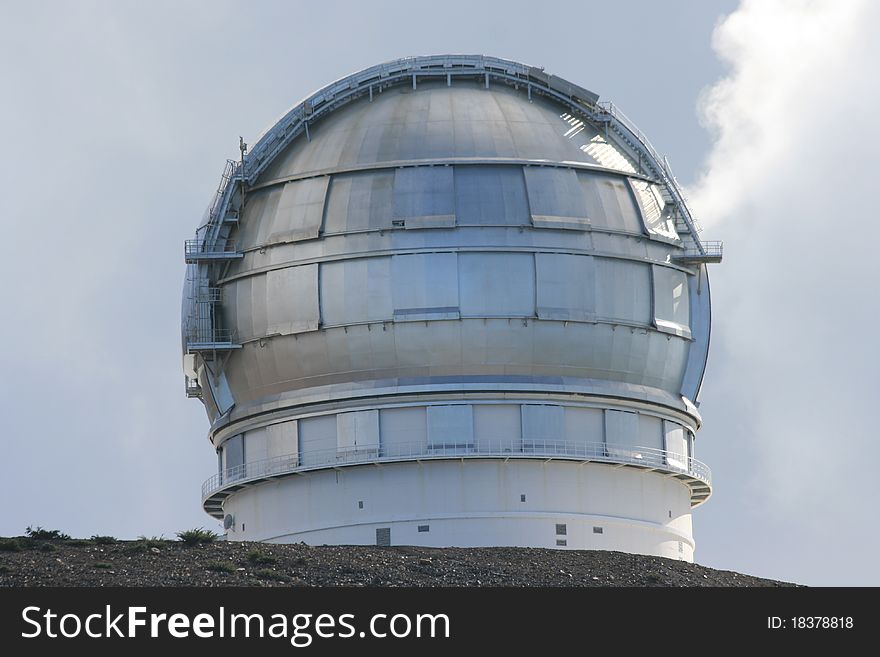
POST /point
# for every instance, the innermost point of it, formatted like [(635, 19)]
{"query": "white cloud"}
[(789, 185)]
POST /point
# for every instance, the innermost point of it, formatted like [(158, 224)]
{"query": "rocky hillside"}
[(27, 561)]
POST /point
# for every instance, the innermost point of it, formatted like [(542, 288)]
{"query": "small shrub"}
[(268, 573), (10, 545), (103, 540), (4, 569), (47, 547), (259, 558), (151, 542), (220, 567), (46, 534), (197, 536), (103, 565)]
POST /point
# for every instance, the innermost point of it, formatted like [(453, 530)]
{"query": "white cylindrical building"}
[(451, 301)]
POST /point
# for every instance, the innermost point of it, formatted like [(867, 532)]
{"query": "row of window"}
[(492, 428), (425, 286), (446, 196)]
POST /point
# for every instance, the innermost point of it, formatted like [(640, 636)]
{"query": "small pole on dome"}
[(242, 147)]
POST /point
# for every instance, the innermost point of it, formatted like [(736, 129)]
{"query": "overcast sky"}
[(118, 116)]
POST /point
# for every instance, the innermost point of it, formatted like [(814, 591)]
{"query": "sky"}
[(117, 117)]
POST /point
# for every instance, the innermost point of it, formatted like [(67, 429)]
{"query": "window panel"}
[(497, 284), (565, 286), (490, 195), (556, 199)]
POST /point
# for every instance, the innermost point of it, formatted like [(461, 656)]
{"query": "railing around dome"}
[(644, 457), (296, 120)]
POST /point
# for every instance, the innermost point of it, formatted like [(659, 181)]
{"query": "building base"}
[(471, 503)]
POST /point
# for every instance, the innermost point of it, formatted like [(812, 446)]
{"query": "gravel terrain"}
[(28, 562)]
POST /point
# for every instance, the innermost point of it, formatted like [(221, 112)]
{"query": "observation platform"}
[(710, 252), (695, 474)]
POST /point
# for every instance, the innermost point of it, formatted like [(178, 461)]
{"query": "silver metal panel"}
[(233, 452), (254, 297), (436, 121), (359, 201), (300, 210), (450, 425), (671, 300), (700, 319), (403, 429), (622, 435), (292, 301), (497, 284), (656, 215), (623, 290), (498, 427), (220, 392), (262, 207), (425, 286), (257, 445), (355, 291), (424, 197), (584, 425), (541, 424), (282, 439), (610, 202), (565, 286), (317, 437), (676, 444), (358, 431), (490, 196), (556, 199), (650, 431)]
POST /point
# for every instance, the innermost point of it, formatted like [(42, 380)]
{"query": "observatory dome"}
[(449, 297)]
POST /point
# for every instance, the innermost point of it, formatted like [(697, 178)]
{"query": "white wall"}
[(473, 503)]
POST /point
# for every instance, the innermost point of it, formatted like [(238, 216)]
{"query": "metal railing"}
[(213, 212), (647, 457), (201, 248), (193, 389), (711, 249), (208, 337), (663, 168), (205, 293), (295, 121)]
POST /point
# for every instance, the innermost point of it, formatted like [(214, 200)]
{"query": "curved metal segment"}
[(695, 474)]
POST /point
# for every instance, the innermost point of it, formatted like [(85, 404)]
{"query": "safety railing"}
[(608, 108), (193, 389), (209, 338), (646, 457), (711, 251), (207, 294), (213, 212), (207, 249)]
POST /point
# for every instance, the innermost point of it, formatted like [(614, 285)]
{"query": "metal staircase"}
[(208, 256)]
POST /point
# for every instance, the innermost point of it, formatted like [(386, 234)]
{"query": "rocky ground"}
[(150, 562)]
